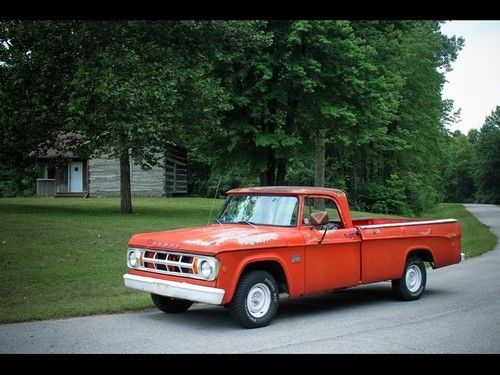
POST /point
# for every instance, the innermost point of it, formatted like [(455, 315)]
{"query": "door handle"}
[(351, 235)]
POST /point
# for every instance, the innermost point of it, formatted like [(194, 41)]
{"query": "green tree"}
[(37, 62), (354, 94), (376, 99), (416, 137), (488, 159), (421, 119), (305, 80), (137, 86), (459, 173), (260, 128)]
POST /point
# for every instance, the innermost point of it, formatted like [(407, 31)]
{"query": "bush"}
[(17, 182), (383, 197), (421, 195), (204, 183)]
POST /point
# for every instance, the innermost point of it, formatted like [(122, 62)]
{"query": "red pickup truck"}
[(295, 240)]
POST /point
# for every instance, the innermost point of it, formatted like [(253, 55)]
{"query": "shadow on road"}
[(202, 316)]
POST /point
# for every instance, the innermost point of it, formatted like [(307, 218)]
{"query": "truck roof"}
[(286, 190)]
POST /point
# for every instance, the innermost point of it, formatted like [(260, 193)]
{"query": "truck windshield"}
[(260, 209)]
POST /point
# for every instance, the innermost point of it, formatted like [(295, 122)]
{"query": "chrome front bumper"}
[(190, 292)]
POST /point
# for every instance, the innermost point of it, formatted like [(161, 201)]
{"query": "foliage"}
[(352, 104), (34, 75), (459, 173), (17, 182), (404, 133), (128, 86), (488, 160), (472, 172), (136, 87), (387, 198)]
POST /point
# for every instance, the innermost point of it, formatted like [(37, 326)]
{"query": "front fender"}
[(234, 263)]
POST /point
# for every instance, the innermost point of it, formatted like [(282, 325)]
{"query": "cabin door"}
[(76, 177)]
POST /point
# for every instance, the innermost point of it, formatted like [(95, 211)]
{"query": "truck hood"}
[(212, 239)]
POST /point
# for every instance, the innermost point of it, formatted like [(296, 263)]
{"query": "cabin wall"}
[(45, 187), (176, 171), (104, 179)]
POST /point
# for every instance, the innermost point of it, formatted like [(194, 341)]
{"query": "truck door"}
[(332, 252)]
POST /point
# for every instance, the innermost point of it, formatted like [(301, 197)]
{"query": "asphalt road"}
[(459, 313)]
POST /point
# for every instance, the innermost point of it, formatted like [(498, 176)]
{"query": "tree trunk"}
[(319, 161), (270, 173), (125, 193), (281, 172), (289, 128), (263, 179)]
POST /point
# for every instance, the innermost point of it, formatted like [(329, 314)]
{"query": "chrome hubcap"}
[(259, 300), (413, 278)]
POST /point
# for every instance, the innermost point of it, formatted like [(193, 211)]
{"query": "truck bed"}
[(386, 243)]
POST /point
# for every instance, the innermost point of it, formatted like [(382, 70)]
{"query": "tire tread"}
[(238, 308), (399, 287), (170, 305)]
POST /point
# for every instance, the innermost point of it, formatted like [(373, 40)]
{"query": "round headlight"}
[(133, 259), (205, 268)]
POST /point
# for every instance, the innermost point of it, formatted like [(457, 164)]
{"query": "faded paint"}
[(198, 242), (257, 238), (242, 237), (426, 232)]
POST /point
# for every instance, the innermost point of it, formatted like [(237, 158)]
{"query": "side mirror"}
[(319, 218)]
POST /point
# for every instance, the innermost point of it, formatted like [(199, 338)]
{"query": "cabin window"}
[(51, 173), (44, 172)]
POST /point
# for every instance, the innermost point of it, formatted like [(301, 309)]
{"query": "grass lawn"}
[(66, 257), (476, 238)]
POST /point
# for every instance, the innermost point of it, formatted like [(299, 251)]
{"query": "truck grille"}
[(169, 263)]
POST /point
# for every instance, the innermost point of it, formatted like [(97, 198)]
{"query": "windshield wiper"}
[(246, 222), (217, 220)]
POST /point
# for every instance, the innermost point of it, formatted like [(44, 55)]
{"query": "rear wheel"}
[(256, 300), (170, 305), (411, 285)]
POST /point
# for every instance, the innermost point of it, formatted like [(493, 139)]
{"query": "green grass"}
[(66, 257), (363, 214), (476, 238)]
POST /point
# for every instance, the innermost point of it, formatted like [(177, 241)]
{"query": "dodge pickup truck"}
[(300, 241)]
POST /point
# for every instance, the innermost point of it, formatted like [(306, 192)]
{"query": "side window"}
[(51, 172), (322, 204)]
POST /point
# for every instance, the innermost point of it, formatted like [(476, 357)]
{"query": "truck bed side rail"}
[(408, 223)]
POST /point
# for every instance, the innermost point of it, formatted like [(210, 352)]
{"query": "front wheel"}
[(170, 305), (256, 300), (411, 285)]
